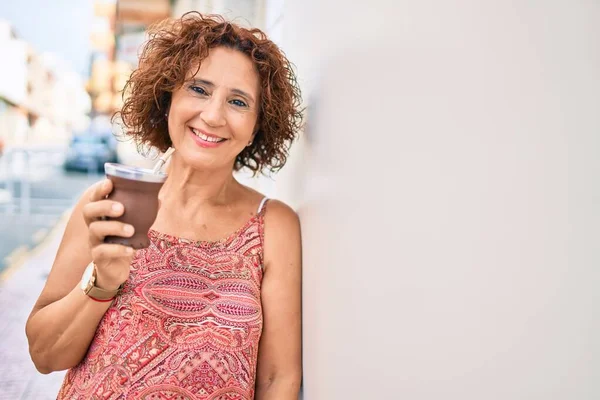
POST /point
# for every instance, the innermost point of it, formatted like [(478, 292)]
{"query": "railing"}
[(20, 167)]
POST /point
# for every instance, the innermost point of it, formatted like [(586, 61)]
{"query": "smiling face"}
[(213, 115)]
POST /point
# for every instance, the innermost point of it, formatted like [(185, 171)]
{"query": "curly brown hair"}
[(177, 45)]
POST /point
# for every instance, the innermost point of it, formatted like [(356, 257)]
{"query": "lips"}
[(206, 140), (206, 136)]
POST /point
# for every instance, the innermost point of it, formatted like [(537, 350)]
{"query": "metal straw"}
[(163, 159)]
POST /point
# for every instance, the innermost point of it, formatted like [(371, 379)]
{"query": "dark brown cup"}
[(137, 189)]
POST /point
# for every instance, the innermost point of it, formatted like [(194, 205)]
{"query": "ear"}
[(167, 106), (252, 137), (255, 132)]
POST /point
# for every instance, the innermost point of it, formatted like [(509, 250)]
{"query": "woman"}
[(211, 310)]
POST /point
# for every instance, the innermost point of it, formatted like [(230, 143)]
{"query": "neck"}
[(186, 185)]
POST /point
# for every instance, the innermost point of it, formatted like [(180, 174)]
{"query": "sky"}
[(59, 26)]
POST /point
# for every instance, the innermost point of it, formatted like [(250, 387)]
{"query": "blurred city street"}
[(34, 193)]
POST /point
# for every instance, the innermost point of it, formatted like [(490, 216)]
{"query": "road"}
[(53, 192)]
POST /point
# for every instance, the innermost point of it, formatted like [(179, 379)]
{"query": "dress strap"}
[(262, 204)]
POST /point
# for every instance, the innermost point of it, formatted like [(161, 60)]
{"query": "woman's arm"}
[(64, 320), (279, 372)]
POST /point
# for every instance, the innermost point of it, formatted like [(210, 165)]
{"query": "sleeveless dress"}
[(186, 326)]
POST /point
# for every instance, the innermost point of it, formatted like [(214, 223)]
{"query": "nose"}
[(212, 113)]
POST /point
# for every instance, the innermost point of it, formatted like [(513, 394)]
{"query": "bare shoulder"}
[(280, 217), (251, 197), (282, 240)]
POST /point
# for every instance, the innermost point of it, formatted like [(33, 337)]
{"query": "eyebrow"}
[(212, 85)]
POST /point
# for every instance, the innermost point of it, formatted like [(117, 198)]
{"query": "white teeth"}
[(207, 138)]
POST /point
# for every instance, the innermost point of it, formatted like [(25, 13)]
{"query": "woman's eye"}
[(238, 103), (198, 90)]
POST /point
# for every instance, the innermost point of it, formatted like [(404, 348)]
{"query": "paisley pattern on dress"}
[(187, 325)]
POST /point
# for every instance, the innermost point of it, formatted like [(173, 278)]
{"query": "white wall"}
[(449, 192)]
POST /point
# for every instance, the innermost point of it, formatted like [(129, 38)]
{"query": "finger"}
[(101, 190), (102, 208), (100, 229), (111, 251)]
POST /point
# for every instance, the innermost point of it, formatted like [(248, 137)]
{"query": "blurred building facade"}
[(42, 99), (119, 32)]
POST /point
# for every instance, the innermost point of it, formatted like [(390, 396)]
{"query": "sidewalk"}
[(20, 286)]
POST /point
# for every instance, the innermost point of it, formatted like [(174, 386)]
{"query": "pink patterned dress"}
[(187, 325)]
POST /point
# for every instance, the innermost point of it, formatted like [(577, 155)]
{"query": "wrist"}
[(103, 284), (91, 287)]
